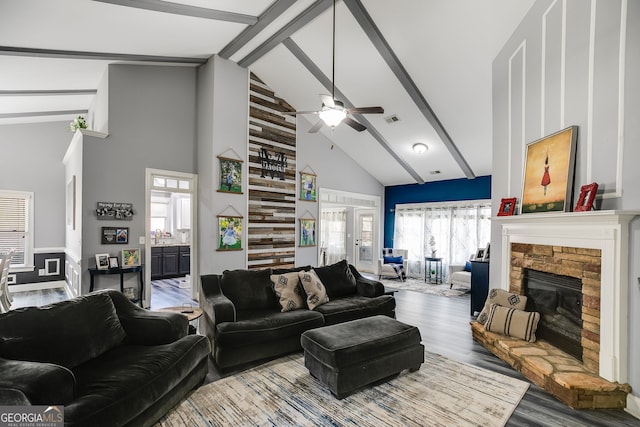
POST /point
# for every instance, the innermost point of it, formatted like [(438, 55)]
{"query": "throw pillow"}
[(392, 259), (249, 289), (287, 288), (512, 322), (467, 266), (504, 299), (337, 279), (316, 292)]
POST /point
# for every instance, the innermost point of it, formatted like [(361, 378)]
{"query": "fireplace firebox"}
[(558, 299)]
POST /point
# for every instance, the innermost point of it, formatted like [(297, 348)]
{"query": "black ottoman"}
[(350, 355)]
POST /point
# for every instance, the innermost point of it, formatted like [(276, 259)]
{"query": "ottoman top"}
[(352, 342)]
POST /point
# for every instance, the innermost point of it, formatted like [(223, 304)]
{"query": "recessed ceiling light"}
[(436, 172), (420, 148)]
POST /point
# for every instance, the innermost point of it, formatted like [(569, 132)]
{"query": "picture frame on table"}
[(547, 185), (130, 257), (485, 257), (480, 254), (507, 207), (113, 262), (102, 261), (586, 198)]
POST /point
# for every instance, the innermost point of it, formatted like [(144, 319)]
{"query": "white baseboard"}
[(38, 286), (633, 405)]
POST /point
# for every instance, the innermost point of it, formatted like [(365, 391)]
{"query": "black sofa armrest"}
[(37, 383), (216, 307), (366, 287), (144, 327)]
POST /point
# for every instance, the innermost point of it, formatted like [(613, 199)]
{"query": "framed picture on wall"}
[(307, 232), (308, 190), (230, 175), (548, 173), (229, 233)]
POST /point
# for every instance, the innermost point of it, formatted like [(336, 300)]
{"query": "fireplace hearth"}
[(558, 299)]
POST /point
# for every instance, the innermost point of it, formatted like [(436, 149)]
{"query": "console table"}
[(121, 271), (438, 269)]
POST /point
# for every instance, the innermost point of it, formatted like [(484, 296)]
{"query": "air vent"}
[(392, 119), (435, 172)]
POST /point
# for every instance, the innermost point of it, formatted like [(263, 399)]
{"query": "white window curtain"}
[(458, 230), (333, 235)]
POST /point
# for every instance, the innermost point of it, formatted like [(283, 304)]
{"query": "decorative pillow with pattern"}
[(504, 299), (316, 292), (287, 288), (512, 322)]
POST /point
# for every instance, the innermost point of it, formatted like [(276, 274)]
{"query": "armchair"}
[(460, 274), (388, 266)]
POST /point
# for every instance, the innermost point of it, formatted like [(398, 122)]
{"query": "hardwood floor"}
[(444, 325)]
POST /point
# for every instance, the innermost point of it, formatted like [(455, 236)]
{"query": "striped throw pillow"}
[(512, 322)]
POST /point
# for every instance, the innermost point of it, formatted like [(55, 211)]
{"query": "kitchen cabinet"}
[(170, 261)]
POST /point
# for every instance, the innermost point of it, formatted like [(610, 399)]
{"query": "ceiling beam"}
[(104, 56), (326, 82), (308, 15), (371, 30), (266, 18), (48, 92), (42, 113), (185, 9)]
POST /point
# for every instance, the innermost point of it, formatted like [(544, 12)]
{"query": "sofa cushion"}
[(314, 288), (467, 266), (66, 333), (117, 386), (355, 307), (287, 287), (266, 327), (249, 288), (512, 322), (291, 270), (502, 298), (337, 279)]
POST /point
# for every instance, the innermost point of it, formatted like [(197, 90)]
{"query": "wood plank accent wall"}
[(271, 227)]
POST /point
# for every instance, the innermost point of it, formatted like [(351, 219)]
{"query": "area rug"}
[(419, 285), (283, 393)]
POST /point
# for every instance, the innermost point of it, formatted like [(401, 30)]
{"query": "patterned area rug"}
[(283, 393), (419, 285)]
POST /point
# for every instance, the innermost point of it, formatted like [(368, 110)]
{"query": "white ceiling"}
[(445, 47)]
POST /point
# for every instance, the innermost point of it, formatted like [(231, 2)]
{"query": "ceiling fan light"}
[(420, 148), (332, 117)]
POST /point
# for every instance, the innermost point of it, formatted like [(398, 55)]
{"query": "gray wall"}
[(32, 161), (152, 118), (599, 92)]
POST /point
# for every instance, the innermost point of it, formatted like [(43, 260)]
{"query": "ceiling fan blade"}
[(357, 126), (315, 128), (366, 110), (293, 113), (328, 101)]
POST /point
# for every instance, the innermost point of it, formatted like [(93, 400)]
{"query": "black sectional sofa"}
[(245, 321), (109, 362)]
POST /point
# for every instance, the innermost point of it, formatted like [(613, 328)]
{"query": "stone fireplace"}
[(589, 251)]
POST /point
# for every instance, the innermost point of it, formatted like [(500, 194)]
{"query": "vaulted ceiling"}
[(426, 62)]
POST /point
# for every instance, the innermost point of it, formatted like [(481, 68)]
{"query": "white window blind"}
[(15, 225)]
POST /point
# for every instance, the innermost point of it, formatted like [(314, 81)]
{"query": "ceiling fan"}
[(333, 112)]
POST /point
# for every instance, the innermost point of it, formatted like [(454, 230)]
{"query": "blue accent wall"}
[(437, 191)]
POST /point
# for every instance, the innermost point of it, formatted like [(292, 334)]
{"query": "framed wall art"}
[(548, 172), (230, 175), (114, 210), (130, 257), (507, 207), (308, 190), (229, 233), (587, 197), (307, 232), (115, 235)]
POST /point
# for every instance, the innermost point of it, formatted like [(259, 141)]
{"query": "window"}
[(16, 226)]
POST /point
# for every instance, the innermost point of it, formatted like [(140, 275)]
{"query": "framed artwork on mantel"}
[(548, 173)]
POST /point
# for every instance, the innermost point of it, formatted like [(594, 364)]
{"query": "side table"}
[(192, 313), (438, 269)]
